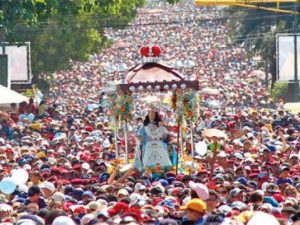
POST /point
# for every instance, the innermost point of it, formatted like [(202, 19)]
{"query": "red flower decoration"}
[(145, 51)]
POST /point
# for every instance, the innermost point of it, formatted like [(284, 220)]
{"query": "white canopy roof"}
[(8, 96)]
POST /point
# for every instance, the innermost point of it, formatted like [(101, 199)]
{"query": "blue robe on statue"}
[(152, 149)]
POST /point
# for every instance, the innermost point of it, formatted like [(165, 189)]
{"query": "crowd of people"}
[(58, 162)]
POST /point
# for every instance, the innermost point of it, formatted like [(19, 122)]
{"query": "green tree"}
[(63, 30), (173, 1), (258, 29), (279, 91)]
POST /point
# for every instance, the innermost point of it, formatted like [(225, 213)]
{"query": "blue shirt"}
[(41, 203), (284, 181)]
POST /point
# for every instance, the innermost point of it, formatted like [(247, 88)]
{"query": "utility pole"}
[(3, 61), (296, 87), (266, 74)]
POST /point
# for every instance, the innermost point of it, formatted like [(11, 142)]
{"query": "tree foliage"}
[(279, 91), (63, 30), (258, 29), (173, 1)]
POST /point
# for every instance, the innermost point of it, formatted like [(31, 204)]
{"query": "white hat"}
[(5, 208), (58, 197), (222, 154), (260, 218), (63, 220), (238, 155), (200, 189), (48, 185), (123, 191), (27, 167), (139, 187), (86, 166), (51, 160), (102, 204), (87, 218), (93, 205), (294, 155)]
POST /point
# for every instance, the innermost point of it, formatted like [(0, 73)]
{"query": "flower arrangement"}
[(191, 105), (121, 106)]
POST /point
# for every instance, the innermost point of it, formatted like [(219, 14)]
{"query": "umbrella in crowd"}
[(58, 159)]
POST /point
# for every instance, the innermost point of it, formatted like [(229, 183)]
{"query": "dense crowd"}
[(58, 161)]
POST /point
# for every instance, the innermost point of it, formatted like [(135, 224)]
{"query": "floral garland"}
[(191, 105), (186, 105), (180, 106), (121, 107)]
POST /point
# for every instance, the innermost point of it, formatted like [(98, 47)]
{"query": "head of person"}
[(213, 201), (294, 159), (35, 177), (266, 154), (284, 172), (34, 193), (236, 194), (152, 117), (195, 209), (290, 191)]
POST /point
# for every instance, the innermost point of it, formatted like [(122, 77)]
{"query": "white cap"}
[(139, 187), (200, 189), (63, 220), (294, 155), (261, 217), (85, 166), (87, 218), (48, 185), (58, 197)]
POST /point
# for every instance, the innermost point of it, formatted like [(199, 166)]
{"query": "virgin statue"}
[(153, 147)]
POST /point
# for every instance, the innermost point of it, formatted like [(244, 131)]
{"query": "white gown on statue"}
[(155, 150)]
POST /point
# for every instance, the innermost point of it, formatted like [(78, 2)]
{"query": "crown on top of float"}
[(150, 53)]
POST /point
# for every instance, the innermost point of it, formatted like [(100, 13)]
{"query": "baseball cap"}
[(88, 193), (139, 187), (234, 192), (58, 197), (48, 185), (63, 220), (195, 204), (238, 205), (200, 189), (284, 168), (123, 192), (33, 190)]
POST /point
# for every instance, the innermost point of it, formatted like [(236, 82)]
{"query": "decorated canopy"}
[(152, 75)]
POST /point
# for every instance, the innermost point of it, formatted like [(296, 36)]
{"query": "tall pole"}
[(266, 74), (116, 136), (296, 53), (126, 142), (4, 76), (3, 40), (192, 140), (181, 142), (178, 144)]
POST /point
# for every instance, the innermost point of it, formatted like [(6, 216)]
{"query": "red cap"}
[(76, 181), (253, 175), (89, 128), (120, 207), (278, 197), (77, 167), (80, 210)]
